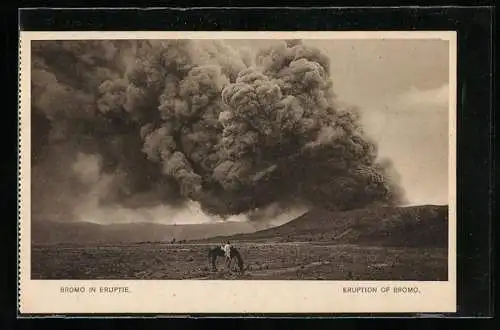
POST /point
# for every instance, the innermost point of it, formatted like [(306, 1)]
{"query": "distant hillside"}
[(47, 232), (400, 226), (408, 226)]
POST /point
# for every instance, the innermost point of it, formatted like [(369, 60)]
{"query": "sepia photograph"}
[(229, 159), (278, 158)]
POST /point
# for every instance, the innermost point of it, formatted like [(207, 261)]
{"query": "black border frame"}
[(475, 148)]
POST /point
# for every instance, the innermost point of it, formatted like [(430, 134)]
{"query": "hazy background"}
[(401, 87)]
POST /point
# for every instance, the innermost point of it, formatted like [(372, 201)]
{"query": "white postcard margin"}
[(192, 296)]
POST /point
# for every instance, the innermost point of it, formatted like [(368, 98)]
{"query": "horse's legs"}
[(214, 267)]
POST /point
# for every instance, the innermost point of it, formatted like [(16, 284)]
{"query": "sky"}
[(401, 88)]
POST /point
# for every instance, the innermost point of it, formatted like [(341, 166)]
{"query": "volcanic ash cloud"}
[(183, 120)]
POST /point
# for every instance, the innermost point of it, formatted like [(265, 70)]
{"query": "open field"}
[(263, 261), (371, 244)]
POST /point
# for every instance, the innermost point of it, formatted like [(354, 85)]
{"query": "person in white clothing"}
[(227, 251)]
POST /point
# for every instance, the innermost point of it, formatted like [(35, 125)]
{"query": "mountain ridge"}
[(59, 232), (411, 225), (421, 225)]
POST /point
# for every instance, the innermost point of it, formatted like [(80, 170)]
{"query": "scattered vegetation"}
[(373, 244), (262, 261)]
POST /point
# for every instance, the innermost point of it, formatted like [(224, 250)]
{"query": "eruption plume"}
[(195, 120)]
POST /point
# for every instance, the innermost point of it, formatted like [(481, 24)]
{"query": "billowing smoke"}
[(147, 124)]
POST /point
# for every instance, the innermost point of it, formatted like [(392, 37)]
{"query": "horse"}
[(215, 252)]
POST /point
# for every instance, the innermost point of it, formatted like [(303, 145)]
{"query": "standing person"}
[(227, 252)]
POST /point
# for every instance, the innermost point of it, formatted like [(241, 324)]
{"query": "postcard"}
[(237, 172)]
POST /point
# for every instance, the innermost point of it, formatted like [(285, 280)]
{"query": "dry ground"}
[(263, 261)]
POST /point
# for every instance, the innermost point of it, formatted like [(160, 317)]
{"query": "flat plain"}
[(374, 244), (263, 261)]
